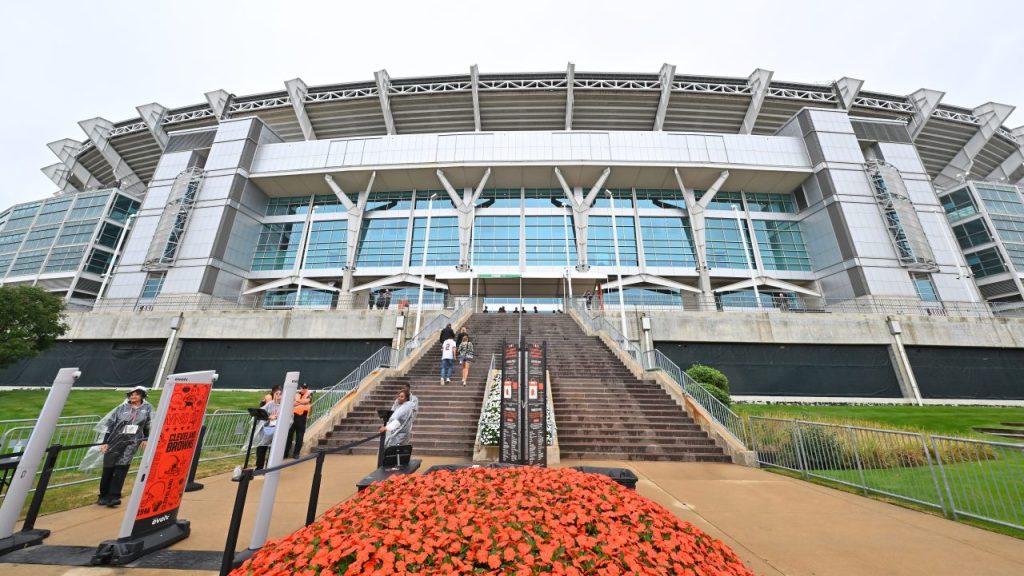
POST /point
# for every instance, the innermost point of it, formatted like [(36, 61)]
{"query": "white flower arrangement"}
[(490, 421)]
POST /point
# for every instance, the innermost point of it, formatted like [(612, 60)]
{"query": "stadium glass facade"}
[(695, 193)]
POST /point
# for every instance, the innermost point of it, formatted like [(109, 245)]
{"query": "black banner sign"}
[(510, 442), (536, 406)]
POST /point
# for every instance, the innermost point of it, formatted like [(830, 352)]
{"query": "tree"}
[(31, 320)]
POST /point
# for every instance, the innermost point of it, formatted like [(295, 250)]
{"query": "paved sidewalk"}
[(778, 525)]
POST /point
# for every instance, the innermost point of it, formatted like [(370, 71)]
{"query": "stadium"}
[(814, 241)]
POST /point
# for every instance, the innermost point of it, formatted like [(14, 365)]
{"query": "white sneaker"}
[(442, 381), (449, 381)]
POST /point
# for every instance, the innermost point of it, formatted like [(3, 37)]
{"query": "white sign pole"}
[(284, 422), (38, 442)]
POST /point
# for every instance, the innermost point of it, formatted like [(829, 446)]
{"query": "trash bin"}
[(622, 476)]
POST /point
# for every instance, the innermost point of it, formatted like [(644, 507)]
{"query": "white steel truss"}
[(170, 229), (342, 94), (256, 105), (882, 104), (814, 95), (188, 116), (956, 116)]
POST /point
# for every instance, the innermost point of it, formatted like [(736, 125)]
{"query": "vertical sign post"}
[(151, 518), (536, 440), (32, 456), (510, 432)]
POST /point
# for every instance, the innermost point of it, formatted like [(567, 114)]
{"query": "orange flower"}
[(499, 521)]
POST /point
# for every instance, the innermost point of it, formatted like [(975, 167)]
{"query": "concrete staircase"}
[(603, 411), (448, 415)]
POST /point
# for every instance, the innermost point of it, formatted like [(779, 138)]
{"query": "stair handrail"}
[(433, 327), (330, 397), (656, 360)]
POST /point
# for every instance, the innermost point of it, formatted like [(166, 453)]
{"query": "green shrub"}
[(708, 375), (721, 395)]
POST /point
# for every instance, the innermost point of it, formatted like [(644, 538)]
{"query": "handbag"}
[(269, 430)]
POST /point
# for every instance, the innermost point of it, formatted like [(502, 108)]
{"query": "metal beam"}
[(925, 102), (219, 101), (59, 174), (846, 90), (991, 116), (1012, 168), (570, 81), (297, 91), (474, 79), (581, 214), (67, 151), (153, 116), (97, 129), (665, 78), (758, 82), (383, 89)]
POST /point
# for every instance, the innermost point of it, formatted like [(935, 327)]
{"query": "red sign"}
[(168, 472)]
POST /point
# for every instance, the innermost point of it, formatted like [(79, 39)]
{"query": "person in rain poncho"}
[(265, 432), (399, 425), (125, 429)]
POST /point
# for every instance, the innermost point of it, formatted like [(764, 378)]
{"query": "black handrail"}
[(52, 453), (228, 559)]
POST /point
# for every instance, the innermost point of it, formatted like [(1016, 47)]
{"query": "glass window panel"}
[(328, 204), (11, 241), (19, 223), (380, 201), (53, 211), (973, 233), (441, 200), (601, 245), (109, 235), (5, 263), (154, 283), (122, 208), (40, 238), (781, 245), (382, 242), (88, 207), (64, 258), (764, 202), (985, 262), (659, 199), (98, 262), (286, 298), (327, 244), (277, 246), (444, 242), (288, 206), (499, 198), (925, 287), (623, 199), (668, 241), (639, 296), (545, 198), (1016, 253), (959, 205), (77, 233), (496, 240), (546, 241), (722, 200), (28, 262), (725, 246)]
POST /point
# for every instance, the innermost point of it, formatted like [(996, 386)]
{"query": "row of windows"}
[(986, 262), (973, 233), (624, 199), (668, 242)]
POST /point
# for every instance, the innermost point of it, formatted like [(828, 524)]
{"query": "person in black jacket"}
[(446, 333)]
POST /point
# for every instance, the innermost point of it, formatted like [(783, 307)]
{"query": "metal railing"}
[(433, 327), (961, 477), (227, 433), (656, 360), (799, 304), (328, 398), (718, 411)]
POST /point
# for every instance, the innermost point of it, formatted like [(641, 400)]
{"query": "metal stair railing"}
[(656, 360)]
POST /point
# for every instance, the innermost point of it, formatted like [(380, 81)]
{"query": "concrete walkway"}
[(777, 525)]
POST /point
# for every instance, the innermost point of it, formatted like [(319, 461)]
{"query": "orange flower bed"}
[(497, 521)]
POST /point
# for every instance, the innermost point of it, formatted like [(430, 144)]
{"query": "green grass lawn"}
[(944, 420), (18, 404)]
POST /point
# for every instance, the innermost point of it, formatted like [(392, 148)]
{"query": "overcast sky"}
[(66, 61)]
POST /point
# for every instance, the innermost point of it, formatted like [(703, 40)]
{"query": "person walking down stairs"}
[(465, 350), (447, 360)]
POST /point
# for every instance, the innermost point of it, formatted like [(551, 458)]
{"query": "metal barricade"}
[(962, 477)]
